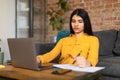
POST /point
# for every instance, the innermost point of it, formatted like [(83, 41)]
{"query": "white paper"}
[(76, 68)]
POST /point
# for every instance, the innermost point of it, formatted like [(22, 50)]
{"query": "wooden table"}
[(24, 74)]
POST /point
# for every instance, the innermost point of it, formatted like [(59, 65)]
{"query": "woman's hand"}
[(82, 62), (38, 60)]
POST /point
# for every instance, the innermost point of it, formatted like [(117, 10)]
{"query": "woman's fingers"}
[(82, 62)]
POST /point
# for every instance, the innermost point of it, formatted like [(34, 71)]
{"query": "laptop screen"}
[(23, 53)]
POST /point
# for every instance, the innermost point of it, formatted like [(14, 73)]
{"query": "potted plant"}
[(57, 15)]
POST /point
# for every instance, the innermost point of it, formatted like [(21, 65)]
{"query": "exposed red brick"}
[(118, 18), (104, 14), (97, 7), (71, 1), (110, 18), (89, 3), (51, 1), (96, 2), (117, 5), (109, 1), (108, 6), (108, 10), (52, 5), (82, 4), (117, 22), (87, 0)]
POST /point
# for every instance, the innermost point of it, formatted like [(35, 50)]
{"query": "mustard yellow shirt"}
[(86, 45)]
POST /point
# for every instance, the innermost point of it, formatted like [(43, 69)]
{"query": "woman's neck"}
[(78, 34)]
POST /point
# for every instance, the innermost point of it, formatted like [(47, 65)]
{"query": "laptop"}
[(23, 54)]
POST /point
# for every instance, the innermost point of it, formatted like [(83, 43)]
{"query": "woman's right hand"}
[(82, 62)]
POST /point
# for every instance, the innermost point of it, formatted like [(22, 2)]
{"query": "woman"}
[(80, 47)]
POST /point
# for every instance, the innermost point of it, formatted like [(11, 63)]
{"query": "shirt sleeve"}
[(93, 51), (47, 57)]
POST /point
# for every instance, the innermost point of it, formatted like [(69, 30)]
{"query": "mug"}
[(1, 58)]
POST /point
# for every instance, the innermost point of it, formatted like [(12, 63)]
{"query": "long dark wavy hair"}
[(84, 15)]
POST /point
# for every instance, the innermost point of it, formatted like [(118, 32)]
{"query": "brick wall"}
[(104, 14)]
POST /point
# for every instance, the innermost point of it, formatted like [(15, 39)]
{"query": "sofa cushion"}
[(62, 34), (112, 66), (116, 49), (107, 40)]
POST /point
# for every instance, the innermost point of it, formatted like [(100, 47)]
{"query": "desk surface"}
[(25, 74)]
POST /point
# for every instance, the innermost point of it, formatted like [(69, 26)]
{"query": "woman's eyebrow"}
[(81, 19), (78, 19)]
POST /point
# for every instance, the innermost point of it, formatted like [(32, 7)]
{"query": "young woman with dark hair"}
[(84, 15), (80, 47)]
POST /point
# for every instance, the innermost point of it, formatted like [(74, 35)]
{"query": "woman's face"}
[(77, 24)]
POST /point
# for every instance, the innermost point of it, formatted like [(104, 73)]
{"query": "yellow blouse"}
[(86, 45)]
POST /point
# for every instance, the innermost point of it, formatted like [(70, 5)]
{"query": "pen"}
[(76, 56), (75, 60)]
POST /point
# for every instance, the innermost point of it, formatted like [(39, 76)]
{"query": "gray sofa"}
[(109, 53)]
